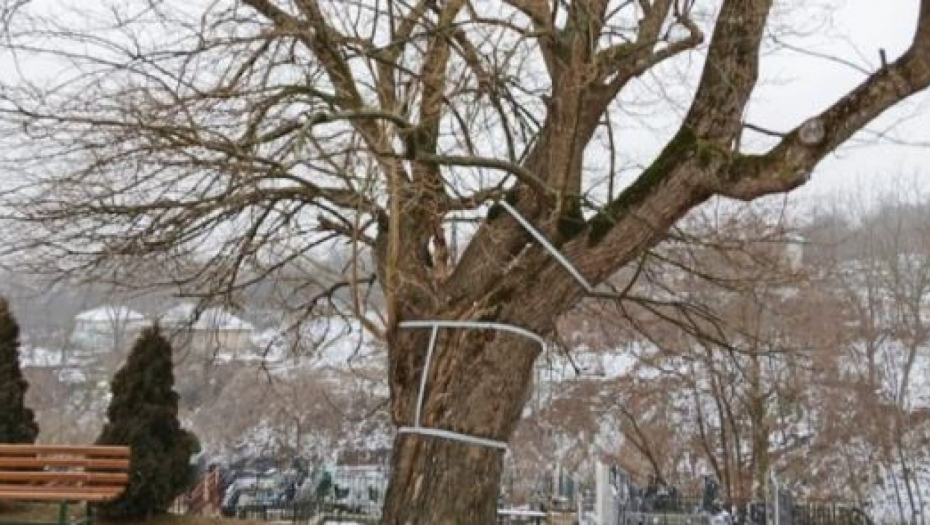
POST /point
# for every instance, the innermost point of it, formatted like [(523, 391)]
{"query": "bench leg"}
[(63, 513), (88, 513)]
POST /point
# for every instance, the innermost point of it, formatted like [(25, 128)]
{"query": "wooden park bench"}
[(63, 474)]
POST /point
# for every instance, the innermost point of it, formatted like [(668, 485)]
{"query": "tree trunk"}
[(441, 481), (760, 431), (478, 382)]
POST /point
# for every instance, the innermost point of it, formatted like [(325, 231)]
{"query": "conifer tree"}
[(143, 414), (17, 422)]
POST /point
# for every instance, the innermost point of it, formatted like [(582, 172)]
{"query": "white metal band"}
[(548, 246), (480, 325), (429, 358), (454, 436), (435, 325)]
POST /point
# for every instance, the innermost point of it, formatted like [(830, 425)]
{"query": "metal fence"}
[(652, 518), (828, 514), (356, 494), (302, 514), (754, 513), (669, 510), (298, 513), (521, 517), (328, 496)]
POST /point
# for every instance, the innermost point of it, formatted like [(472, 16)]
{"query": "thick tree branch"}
[(612, 59), (558, 154), (789, 164), (522, 174), (387, 59), (676, 180), (621, 63), (730, 72), (541, 16), (433, 78)]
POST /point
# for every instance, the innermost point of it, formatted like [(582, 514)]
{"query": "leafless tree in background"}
[(211, 146), (884, 285), (724, 313)]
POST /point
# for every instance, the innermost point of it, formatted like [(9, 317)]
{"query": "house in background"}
[(213, 332), (107, 328)]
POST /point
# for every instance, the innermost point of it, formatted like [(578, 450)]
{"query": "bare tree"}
[(885, 287), (731, 340), (210, 147)]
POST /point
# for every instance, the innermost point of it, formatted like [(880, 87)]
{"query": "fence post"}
[(772, 493), (604, 507)]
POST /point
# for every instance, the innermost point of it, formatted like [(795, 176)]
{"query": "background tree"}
[(143, 414), (264, 130), (788, 340), (882, 274), (17, 422), (722, 315)]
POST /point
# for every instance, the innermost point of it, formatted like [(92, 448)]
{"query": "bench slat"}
[(102, 451), (57, 489), (76, 477), (40, 463), (75, 495), (63, 472)]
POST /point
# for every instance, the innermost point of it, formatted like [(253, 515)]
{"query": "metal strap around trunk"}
[(435, 325)]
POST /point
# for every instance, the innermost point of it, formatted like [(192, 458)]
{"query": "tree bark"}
[(477, 383), (441, 481)]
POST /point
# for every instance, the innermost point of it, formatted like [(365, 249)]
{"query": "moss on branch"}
[(683, 144)]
